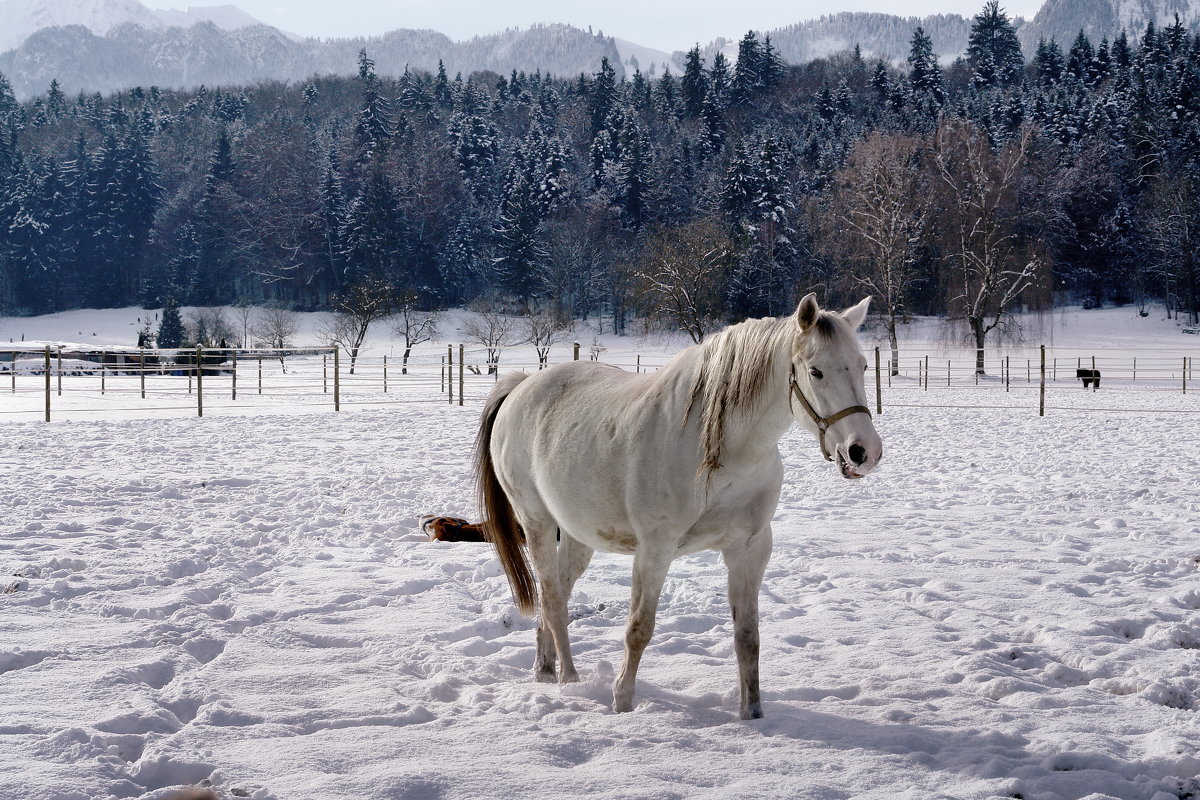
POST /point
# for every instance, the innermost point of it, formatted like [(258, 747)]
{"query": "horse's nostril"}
[(858, 453)]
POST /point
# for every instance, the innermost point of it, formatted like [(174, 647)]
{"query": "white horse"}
[(585, 456)]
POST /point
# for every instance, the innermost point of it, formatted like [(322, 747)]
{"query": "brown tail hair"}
[(500, 521)]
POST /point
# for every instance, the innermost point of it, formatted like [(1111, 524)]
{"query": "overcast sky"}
[(664, 24)]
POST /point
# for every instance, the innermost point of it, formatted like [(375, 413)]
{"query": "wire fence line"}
[(56, 382)]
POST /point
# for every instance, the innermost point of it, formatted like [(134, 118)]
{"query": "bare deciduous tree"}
[(355, 310), (1173, 229), (413, 326), (491, 328), (543, 330), (682, 273), (275, 328), (209, 327), (985, 222), (878, 216)]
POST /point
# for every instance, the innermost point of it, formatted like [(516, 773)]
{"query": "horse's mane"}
[(734, 368)]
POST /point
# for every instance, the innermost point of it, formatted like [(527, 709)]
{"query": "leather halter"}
[(823, 423)]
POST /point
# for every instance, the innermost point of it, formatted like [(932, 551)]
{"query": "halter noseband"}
[(823, 423)]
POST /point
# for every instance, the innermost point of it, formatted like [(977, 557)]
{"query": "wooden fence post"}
[(878, 384), (234, 351), (260, 373), (927, 373), (461, 360), (337, 379), (13, 375), (1007, 372), (1095, 383), (199, 381), (450, 374), (47, 382), (59, 360), (103, 373), (142, 370), (1184, 373), (1042, 389), (325, 373), (385, 374), (576, 351)]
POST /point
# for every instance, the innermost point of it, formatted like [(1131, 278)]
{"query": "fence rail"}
[(42, 383)]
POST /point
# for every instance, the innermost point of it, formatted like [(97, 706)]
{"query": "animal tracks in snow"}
[(269, 622)]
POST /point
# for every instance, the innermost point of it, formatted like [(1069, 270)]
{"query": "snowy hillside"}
[(1063, 19)]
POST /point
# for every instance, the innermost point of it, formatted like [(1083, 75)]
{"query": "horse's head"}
[(826, 386)]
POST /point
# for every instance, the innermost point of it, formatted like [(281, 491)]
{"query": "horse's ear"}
[(857, 313), (807, 311)]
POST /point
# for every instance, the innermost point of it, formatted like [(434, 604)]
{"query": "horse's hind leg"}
[(573, 559), (747, 562), (552, 627)]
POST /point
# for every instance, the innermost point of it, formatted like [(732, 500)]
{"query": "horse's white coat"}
[(670, 463)]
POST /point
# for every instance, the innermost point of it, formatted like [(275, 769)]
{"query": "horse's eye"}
[(816, 373)]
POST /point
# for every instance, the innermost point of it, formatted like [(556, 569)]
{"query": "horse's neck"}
[(756, 433)]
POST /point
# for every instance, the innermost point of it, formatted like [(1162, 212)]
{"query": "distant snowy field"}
[(1009, 607)]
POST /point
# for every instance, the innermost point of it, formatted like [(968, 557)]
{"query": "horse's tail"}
[(500, 521)]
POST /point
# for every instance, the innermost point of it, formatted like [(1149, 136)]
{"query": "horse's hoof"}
[(752, 713), (545, 676), (572, 678)]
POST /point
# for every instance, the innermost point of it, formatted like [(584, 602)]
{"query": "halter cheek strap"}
[(823, 423)]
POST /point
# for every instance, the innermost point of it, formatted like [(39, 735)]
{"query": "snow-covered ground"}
[(1009, 607)]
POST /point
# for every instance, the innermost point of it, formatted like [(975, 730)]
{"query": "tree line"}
[(994, 184)]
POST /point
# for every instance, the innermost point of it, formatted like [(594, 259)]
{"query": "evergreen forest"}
[(1001, 182)]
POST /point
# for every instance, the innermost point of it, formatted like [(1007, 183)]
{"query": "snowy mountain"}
[(176, 57), (20, 19), (649, 61), (1063, 19), (885, 36)]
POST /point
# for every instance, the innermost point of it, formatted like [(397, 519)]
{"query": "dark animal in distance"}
[(1089, 377)]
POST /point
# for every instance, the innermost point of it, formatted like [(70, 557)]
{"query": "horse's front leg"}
[(650, 567), (747, 561)]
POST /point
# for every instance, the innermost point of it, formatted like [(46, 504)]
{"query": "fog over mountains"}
[(104, 45)]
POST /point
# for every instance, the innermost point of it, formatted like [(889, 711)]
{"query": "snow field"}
[(1009, 607)]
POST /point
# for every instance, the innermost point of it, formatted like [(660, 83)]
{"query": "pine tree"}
[(993, 52), (694, 85), (374, 124), (925, 76), (170, 328), (747, 73), (602, 95)]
